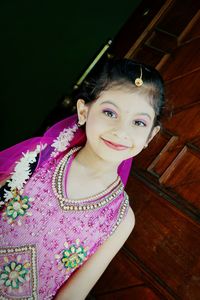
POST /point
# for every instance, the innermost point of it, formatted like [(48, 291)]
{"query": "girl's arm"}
[(85, 278)]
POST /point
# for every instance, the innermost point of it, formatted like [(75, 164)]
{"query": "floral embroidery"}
[(21, 172), (73, 256), (18, 206), (18, 272), (14, 274), (63, 140)]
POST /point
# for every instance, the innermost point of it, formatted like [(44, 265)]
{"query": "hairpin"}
[(138, 80)]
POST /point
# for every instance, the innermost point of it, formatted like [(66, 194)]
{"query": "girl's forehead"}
[(126, 99)]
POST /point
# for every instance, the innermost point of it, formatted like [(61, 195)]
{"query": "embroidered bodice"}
[(46, 237)]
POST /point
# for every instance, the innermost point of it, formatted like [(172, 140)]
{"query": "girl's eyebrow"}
[(144, 114), (139, 114), (109, 102)]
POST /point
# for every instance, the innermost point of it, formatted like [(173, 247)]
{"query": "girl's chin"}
[(115, 158)]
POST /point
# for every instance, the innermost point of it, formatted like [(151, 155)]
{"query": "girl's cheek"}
[(94, 127)]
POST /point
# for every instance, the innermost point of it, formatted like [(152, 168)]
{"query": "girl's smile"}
[(115, 146)]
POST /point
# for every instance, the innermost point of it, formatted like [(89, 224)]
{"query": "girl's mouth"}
[(114, 146)]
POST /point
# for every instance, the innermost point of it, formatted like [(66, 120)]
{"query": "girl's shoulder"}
[(130, 219), (126, 227)]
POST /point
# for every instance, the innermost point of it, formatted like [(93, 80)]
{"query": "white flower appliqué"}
[(22, 171), (63, 140), (7, 195)]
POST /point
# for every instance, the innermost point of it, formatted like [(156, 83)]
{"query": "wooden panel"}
[(135, 26), (183, 175), (147, 156), (163, 239), (177, 96), (162, 40), (191, 288), (183, 170), (124, 281), (190, 192), (149, 55), (184, 60), (179, 16), (185, 123), (165, 157), (113, 274), (136, 293), (196, 142), (192, 29)]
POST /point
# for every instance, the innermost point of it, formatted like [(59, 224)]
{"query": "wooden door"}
[(161, 258)]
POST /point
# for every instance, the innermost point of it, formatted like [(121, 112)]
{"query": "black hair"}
[(116, 72)]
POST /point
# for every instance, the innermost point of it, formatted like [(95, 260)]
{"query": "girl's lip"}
[(115, 146)]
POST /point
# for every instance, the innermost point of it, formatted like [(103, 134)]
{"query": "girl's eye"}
[(140, 123), (110, 113)]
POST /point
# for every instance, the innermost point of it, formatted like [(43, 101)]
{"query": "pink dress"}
[(46, 237)]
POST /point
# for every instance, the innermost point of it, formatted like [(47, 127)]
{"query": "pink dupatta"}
[(9, 157)]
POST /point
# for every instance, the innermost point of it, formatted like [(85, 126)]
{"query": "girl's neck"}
[(94, 165)]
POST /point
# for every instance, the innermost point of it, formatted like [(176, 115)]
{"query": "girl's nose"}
[(122, 131)]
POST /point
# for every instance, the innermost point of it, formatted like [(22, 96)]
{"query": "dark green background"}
[(45, 47)]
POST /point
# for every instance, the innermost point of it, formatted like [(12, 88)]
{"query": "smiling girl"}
[(65, 213)]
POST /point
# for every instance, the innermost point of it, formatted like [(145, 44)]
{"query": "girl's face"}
[(118, 124)]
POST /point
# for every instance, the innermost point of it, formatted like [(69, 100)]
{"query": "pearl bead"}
[(100, 198)]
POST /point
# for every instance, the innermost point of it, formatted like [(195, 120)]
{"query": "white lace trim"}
[(7, 196), (63, 140), (22, 171)]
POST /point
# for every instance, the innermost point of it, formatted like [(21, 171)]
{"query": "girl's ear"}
[(82, 111), (155, 130)]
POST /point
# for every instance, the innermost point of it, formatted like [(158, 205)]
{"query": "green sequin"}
[(18, 206), (73, 256), (13, 275)]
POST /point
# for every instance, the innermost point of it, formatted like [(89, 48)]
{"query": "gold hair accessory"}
[(138, 80)]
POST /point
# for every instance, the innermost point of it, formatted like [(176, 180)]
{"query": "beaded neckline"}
[(93, 202)]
